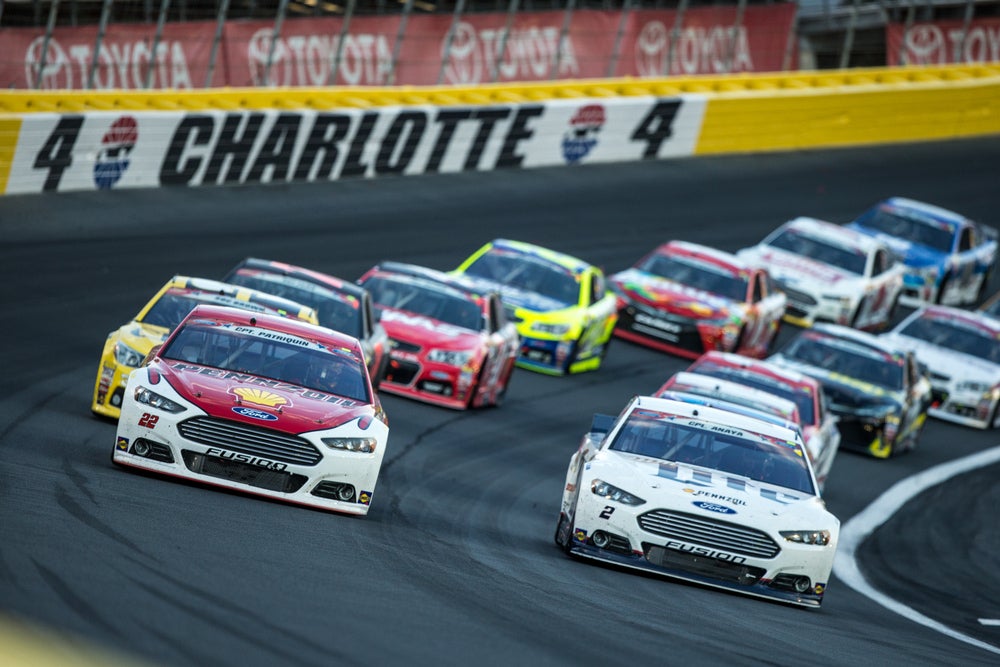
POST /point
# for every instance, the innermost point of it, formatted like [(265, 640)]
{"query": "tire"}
[(563, 536), (470, 403), (498, 401), (945, 283)]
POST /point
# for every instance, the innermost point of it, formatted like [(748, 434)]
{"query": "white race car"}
[(961, 349), (700, 494), (259, 404), (830, 273)]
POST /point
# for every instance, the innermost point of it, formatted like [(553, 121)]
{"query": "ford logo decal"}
[(712, 507), (255, 414)]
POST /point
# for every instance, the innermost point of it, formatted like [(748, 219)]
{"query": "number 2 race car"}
[(127, 345), (563, 312), (700, 494), (259, 404), (686, 299)]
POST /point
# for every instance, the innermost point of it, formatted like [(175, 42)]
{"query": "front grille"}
[(403, 346), (709, 533), (248, 439), (796, 297), (677, 331), (856, 433), (705, 566), (243, 473), (401, 372)]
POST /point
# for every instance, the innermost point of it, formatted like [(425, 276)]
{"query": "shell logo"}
[(260, 397)]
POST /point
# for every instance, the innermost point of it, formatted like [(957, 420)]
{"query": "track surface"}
[(455, 563)]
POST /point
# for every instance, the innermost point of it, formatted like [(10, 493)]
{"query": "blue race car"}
[(949, 258)]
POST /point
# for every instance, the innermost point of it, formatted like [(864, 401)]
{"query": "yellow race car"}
[(563, 310), (127, 346)]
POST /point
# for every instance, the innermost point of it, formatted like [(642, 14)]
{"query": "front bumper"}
[(169, 448), (771, 576), (967, 408), (439, 384)]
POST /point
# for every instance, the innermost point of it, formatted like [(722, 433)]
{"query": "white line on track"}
[(860, 526), (990, 621)]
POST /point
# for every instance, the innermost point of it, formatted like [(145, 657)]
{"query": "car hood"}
[(792, 269), (427, 332), (671, 296), (693, 489), (259, 401), (142, 337), (949, 362), (913, 254), (518, 298)]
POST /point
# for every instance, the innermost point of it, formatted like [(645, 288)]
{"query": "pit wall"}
[(68, 141)]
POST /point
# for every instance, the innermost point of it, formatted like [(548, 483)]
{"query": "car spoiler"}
[(602, 423)]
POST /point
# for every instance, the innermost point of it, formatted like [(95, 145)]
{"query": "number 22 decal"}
[(148, 420)]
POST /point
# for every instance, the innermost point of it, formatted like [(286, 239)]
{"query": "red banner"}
[(943, 42), (481, 49)]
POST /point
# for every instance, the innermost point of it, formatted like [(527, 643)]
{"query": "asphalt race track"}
[(455, 564)]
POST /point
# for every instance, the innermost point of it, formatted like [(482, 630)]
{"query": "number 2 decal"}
[(148, 420), (608, 511)]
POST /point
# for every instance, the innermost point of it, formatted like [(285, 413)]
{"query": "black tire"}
[(563, 536)]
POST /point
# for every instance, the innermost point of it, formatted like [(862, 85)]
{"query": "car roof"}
[(262, 299), (786, 375), (835, 234), (316, 333), (719, 416), (973, 317), (315, 277), (859, 337), (924, 212), (711, 255), (724, 388), (568, 262), (416, 271)]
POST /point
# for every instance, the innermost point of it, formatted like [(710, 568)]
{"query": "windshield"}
[(175, 304), (340, 312), (717, 446), (794, 241), (698, 275), (801, 396), (954, 335), (529, 274), (897, 224), (849, 359), (426, 298), (269, 354)]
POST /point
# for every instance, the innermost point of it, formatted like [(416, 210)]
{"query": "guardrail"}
[(114, 139)]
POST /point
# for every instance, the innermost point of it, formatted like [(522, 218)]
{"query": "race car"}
[(451, 343), (961, 351), (562, 309), (340, 305), (949, 258), (830, 273), (126, 346), (878, 391), (260, 404), (700, 494), (685, 298), (819, 425)]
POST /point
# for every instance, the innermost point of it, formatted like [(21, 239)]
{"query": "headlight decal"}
[(819, 538), (603, 489), (152, 399)]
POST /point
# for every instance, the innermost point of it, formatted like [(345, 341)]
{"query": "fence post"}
[(345, 28), (619, 36), (498, 56), (456, 16), (160, 21), (101, 28), (278, 21), (563, 36), (220, 23), (49, 27), (675, 34), (407, 10)]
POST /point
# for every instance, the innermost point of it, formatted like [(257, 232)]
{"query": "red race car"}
[(686, 299), (452, 344)]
